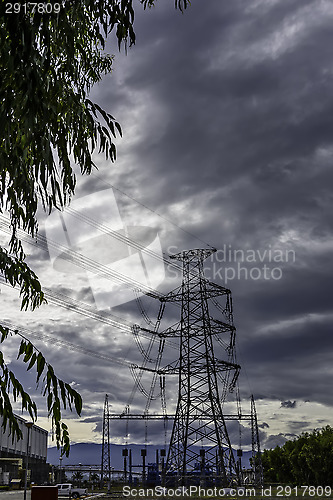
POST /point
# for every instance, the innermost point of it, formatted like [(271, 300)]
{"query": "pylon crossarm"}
[(172, 331), (221, 327), (160, 416), (224, 366)]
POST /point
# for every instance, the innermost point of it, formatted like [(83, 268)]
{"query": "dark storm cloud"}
[(297, 425), (288, 404), (210, 113), (98, 421), (291, 350), (275, 440), (257, 123), (230, 109), (227, 119)]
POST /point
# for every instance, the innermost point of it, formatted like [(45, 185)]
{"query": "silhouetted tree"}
[(307, 459), (50, 57)]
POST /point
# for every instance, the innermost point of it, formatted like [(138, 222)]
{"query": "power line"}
[(78, 259), (123, 238), (151, 210), (19, 330), (84, 309), (89, 264)]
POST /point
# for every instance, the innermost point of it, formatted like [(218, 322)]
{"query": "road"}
[(14, 495), (18, 495)]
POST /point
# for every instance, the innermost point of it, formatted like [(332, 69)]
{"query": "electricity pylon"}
[(256, 452), (106, 458), (207, 371), (199, 420)]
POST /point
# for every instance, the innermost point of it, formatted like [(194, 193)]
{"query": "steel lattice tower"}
[(106, 458), (256, 452), (199, 420)]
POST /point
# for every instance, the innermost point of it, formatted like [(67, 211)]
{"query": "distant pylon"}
[(199, 439), (106, 457), (256, 452)]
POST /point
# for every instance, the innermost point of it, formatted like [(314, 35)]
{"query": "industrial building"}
[(13, 454)]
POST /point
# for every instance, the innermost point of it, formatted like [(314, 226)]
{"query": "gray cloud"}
[(288, 404), (227, 119)]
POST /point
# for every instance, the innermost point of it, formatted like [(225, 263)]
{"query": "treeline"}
[(306, 460)]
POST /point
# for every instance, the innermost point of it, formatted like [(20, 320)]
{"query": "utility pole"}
[(28, 425)]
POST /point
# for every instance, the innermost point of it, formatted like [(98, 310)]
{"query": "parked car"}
[(67, 489)]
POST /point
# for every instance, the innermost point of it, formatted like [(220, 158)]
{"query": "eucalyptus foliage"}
[(305, 460), (48, 124)]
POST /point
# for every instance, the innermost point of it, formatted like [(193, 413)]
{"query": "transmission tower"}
[(256, 452), (106, 459), (199, 420), (207, 372)]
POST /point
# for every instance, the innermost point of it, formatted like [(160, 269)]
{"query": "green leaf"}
[(48, 65)]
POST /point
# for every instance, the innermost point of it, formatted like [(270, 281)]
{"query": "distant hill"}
[(90, 454)]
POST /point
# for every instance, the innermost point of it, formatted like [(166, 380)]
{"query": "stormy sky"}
[(226, 113)]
